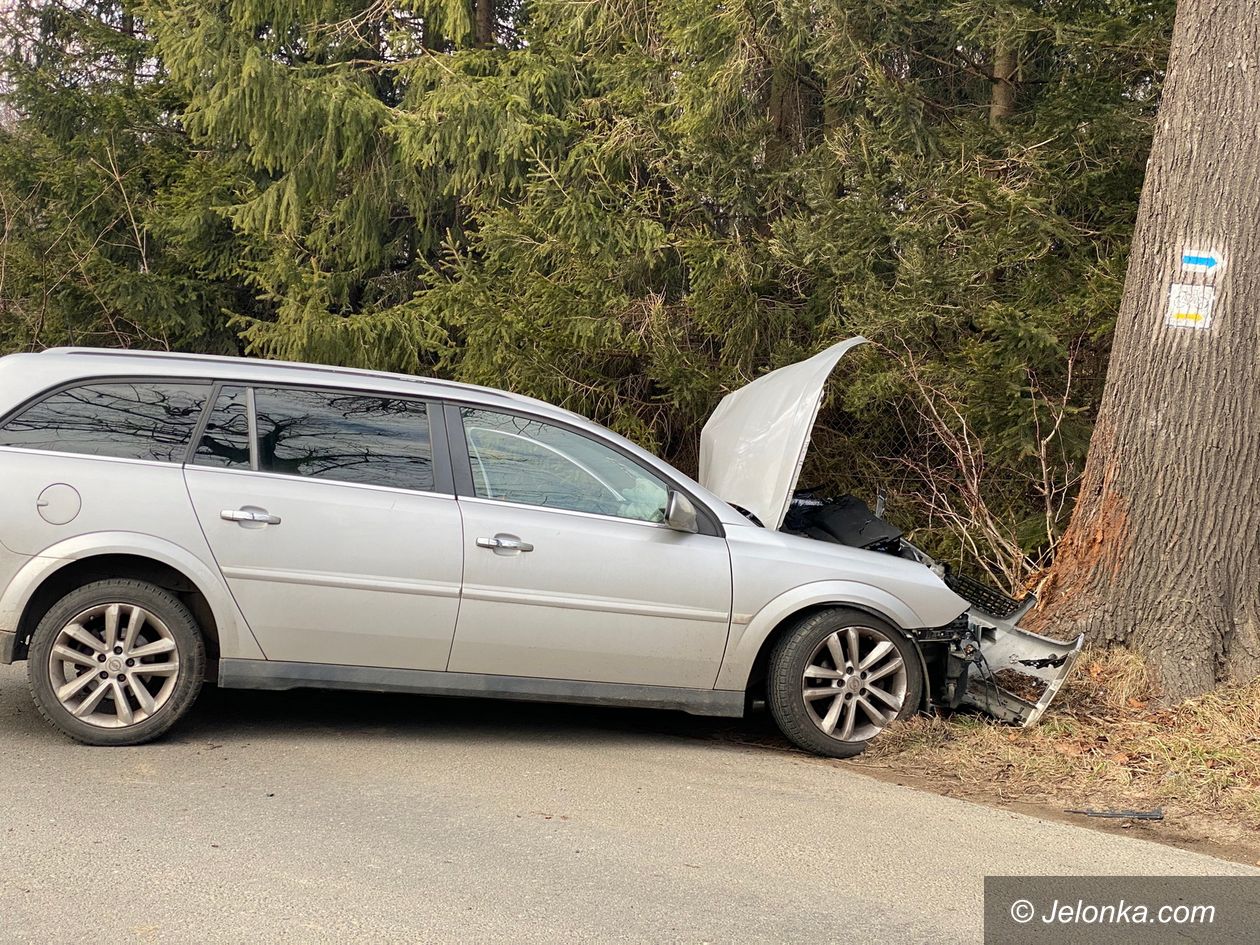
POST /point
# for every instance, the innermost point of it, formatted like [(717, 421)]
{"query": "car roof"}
[(27, 375), (75, 363)]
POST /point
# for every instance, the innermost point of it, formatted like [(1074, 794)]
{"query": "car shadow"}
[(221, 713)]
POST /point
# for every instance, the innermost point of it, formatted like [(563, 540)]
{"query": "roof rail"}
[(292, 365)]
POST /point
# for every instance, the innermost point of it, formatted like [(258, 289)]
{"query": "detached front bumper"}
[(1013, 674), (995, 666)]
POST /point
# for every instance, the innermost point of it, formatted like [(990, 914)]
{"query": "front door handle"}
[(249, 516), (504, 544)]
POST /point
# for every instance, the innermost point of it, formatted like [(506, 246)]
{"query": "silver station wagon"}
[(167, 519)]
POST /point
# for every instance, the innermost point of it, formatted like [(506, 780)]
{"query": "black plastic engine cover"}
[(846, 521)]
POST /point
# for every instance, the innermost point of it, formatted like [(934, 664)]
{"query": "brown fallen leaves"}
[(1107, 742)]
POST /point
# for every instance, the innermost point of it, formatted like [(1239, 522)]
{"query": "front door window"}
[(529, 462)]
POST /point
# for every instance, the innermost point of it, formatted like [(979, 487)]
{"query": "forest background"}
[(627, 207)]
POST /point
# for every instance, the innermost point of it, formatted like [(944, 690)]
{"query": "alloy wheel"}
[(114, 665), (854, 684)]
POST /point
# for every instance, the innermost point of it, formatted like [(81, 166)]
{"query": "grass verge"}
[(1107, 743)]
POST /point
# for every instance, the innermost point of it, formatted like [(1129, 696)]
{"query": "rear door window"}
[(323, 434), (149, 420), (225, 442)]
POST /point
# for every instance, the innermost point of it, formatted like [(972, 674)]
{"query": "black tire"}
[(786, 684), (189, 652)]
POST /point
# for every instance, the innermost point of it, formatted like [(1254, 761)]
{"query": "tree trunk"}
[(1005, 70), (1163, 550), (483, 22), (785, 109)]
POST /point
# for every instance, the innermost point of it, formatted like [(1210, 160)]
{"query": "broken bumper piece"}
[(1009, 673)]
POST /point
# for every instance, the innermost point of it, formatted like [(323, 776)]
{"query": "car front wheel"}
[(839, 677), (116, 662)]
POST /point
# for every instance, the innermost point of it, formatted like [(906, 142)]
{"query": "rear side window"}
[(150, 420), (379, 441)]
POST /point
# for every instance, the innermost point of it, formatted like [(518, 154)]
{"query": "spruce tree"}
[(631, 208), (93, 164)]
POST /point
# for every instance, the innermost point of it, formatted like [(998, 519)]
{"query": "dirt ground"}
[(1107, 744)]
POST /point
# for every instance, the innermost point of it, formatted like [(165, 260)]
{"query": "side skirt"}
[(272, 674)]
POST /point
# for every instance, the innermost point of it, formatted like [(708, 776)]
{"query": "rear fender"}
[(235, 638)]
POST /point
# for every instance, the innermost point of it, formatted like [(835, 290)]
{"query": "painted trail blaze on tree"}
[(1162, 551)]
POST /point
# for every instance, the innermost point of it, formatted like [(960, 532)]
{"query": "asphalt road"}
[(316, 817)]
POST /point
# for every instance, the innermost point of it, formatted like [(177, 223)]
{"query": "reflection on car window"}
[(381, 441), (517, 459), (135, 420), (226, 440)]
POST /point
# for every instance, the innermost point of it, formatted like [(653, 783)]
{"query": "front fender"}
[(750, 631), (235, 638)]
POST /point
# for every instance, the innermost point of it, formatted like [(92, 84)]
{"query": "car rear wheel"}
[(116, 662), (839, 678)]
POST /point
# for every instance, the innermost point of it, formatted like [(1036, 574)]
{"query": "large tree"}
[(1162, 550)]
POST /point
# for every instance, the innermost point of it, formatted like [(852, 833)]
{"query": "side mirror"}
[(680, 514)]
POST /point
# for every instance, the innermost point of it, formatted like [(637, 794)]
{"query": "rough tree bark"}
[(1005, 70), (1163, 550), (483, 22), (786, 111)]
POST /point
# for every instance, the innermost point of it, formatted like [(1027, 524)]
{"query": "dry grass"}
[(1106, 743)]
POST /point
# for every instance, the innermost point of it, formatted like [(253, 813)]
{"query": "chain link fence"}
[(996, 520)]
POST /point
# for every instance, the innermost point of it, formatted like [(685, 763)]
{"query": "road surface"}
[(317, 817)]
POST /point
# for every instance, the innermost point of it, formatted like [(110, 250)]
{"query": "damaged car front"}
[(753, 449)]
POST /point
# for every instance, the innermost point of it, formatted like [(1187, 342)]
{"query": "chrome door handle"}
[(255, 516), (504, 543)]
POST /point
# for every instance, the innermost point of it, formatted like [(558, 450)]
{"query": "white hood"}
[(753, 447)]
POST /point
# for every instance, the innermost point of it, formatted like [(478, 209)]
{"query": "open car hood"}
[(753, 446), (751, 454)]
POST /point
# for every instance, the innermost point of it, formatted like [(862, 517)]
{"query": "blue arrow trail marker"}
[(1198, 259)]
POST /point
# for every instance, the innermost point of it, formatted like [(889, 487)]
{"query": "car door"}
[(335, 529), (569, 571)]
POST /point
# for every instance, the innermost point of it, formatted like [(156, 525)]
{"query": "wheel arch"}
[(749, 652), (47, 578)]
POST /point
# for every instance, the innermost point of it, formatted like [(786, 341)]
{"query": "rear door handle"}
[(249, 515), (504, 543)]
